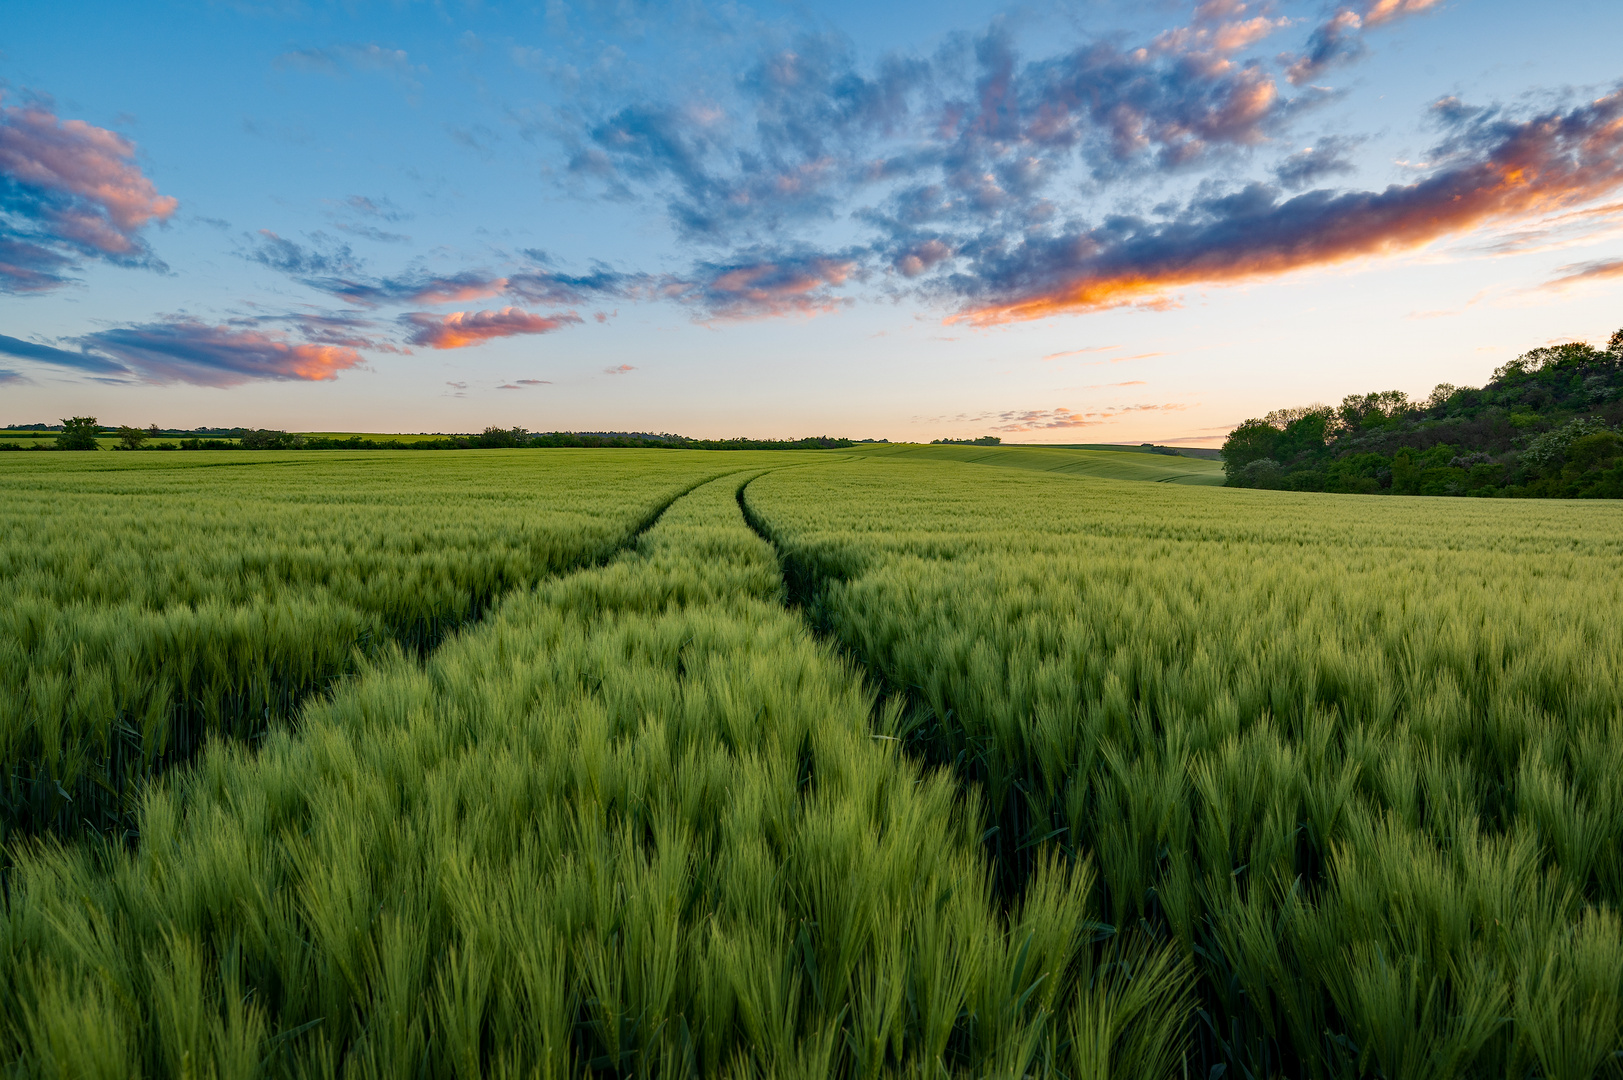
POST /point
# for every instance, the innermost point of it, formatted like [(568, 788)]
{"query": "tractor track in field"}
[(1011, 851), (421, 639)]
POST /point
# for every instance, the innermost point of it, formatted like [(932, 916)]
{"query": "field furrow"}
[(1357, 761), (146, 609), (636, 823)]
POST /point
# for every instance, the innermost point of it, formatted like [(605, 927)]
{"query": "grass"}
[(637, 823), (879, 763), (155, 601), (1358, 761), (1102, 464)]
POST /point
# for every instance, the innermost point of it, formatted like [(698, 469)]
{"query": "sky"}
[(1051, 222)]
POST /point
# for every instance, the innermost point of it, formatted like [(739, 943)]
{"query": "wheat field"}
[(801, 764)]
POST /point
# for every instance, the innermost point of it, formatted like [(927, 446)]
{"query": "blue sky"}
[(1053, 222)]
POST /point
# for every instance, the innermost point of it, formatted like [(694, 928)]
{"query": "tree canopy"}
[(1548, 424)]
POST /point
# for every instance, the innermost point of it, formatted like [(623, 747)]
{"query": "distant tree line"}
[(83, 432), (984, 440), (1548, 425)]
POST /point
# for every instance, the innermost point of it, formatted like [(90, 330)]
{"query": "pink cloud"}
[(463, 328), (82, 191), (791, 285), (1576, 273), (185, 350)]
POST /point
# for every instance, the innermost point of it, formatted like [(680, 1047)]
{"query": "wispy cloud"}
[(1017, 420), (1081, 352), (324, 256), (189, 351), (412, 288), (340, 60), (80, 360), (1577, 273), (460, 329), (69, 190), (618, 369)]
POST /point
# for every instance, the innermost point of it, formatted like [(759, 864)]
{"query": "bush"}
[(1261, 473)]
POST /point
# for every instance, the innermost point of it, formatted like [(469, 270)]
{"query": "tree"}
[(495, 436), (78, 433), (1253, 440), (132, 437), (269, 439)]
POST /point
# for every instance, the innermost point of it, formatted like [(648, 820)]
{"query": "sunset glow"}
[(892, 223)]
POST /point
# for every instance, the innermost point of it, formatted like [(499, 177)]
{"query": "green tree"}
[(132, 437), (495, 436), (78, 433), (1253, 440)]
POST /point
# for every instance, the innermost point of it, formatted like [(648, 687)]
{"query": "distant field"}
[(371, 436), (1203, 452), (850, 763), (1113, 464)]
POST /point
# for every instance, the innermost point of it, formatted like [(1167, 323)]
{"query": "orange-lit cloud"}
[(1386, 10), (185, 350), (463, 328), (1341, 37), (76, 189), (1503, 172), (1578, 273)]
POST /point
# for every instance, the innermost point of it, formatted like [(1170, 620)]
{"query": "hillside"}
[(1546, 426)]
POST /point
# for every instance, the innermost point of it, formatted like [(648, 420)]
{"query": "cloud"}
[(545, 286), (463, 328), (372, 232), (69, 189), (189, 351), (618, 369), (1577, 273), (535, 382), (340, 60), (1016, 420), (1340, 38), (47, 354), (976, 132), (1311, 164), (380, 208), (334, 271), (411, 289), (347, 328), (1496, 170), (1080, 352), (9, 376), (290, 257), (765, 286)]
